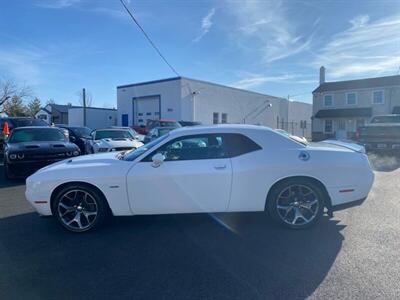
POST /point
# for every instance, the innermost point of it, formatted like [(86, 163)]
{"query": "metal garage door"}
[(145, 108)]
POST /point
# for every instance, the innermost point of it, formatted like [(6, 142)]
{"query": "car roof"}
[(112, 128), (37, 127), (220, 128)]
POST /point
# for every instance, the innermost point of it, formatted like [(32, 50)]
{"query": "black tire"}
[(102, 209), (290, 191)]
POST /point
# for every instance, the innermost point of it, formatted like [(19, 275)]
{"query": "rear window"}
[(386, 119), (28, 122), (37, 135), (238, 144)]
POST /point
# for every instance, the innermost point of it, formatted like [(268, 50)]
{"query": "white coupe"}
[(223, 168), (112, 139)]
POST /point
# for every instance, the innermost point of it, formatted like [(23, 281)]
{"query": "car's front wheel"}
[(296, 203), (80, 208)]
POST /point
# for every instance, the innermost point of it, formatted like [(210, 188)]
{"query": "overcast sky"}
[(274, 47)]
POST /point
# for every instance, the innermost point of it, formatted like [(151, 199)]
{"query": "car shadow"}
[(196, 256), (384, 163), (4, 182)]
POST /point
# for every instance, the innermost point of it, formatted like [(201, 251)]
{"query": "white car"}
[(112, 139), (223, 168)]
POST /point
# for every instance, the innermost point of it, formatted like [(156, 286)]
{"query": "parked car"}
[(156, 133), (28, 149), (189, 123), (382, 134), (15, 122), (112, 139), (161, 123), (78, 135), (134, 133), (233, 168), (140, 129)]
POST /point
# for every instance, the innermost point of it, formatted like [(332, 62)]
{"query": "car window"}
[(133, 154), (40, 135), (386, 119), (81, 131), (194, 147), (238, 144)]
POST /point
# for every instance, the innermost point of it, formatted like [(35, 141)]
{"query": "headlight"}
[(20, 156), (112, 150), (69, 153), (103, 149), (13, 156), (75, 153)]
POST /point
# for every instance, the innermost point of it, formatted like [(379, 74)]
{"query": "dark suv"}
[(15, 122)]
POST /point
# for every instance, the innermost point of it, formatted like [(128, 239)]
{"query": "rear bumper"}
[(348, 204)]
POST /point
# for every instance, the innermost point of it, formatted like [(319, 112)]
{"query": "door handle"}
[(219, 167)]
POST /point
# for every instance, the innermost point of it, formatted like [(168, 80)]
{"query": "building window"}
[(328, 128), (328, 100), (224, 118), (215, 118), (351, 98), (377, 97)]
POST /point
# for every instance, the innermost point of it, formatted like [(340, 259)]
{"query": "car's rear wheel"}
[(296, 203), (80, 208)]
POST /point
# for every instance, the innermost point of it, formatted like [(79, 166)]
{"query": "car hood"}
[(111, 143), (91, 160), (41, 147)]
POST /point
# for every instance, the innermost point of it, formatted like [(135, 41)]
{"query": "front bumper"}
[(28, 167), (38, 197)]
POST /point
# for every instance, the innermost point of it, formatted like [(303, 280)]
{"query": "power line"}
[(148, 38)]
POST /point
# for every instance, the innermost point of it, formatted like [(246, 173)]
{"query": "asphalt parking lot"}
[(355, 255)]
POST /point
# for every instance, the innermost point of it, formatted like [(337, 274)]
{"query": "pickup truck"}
[(382, 134)]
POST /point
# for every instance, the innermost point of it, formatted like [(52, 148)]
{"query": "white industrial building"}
[(186, 99), (96, 117)]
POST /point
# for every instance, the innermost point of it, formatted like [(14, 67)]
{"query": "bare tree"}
[(9, 89)]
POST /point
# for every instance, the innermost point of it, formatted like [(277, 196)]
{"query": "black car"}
[(78, 135), (15, 122), (189, 123), (28, 149)]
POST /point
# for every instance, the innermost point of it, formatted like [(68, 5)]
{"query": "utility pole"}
[(84, 106)]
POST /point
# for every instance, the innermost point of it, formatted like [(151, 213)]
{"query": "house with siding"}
[(341, 107)]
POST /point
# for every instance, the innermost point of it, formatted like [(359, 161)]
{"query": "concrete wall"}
[(194, 100), (170, 97), (95, 117), (236, 103), (300, 111)]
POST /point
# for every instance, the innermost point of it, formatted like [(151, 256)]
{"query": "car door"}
[(194, 177)]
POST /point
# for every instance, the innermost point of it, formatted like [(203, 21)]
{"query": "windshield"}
[(112, 134), (133, 154), (81, 131), (39, 135), (386, 119)]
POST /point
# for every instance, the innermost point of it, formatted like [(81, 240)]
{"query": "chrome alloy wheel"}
[(77, 209), (297, 205)]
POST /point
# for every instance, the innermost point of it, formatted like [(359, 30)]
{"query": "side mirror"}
[(157, 159)]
